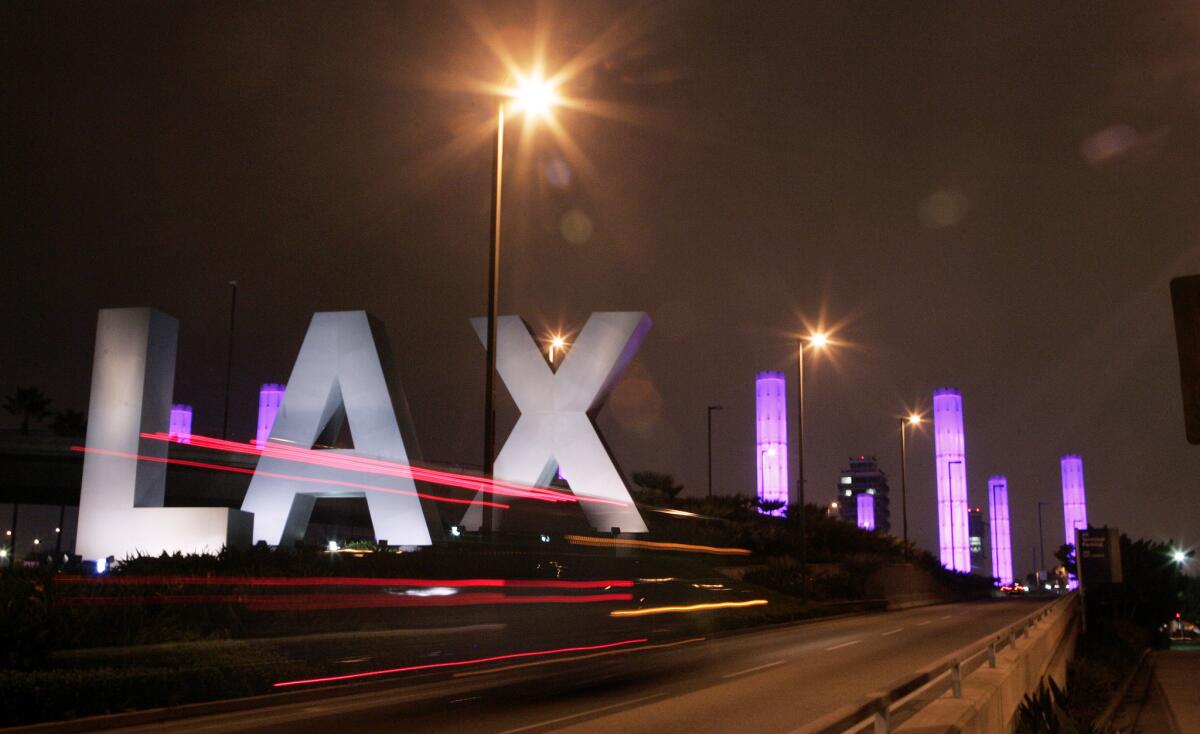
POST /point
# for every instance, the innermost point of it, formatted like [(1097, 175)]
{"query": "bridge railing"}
[(878, 707)]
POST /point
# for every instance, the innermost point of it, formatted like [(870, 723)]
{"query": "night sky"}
[(986, 196)]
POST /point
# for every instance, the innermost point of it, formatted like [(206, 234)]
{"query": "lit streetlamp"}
[(557, 345), (534, 96), (913, 420), (816, 340)]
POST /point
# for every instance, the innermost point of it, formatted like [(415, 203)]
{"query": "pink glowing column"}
[(866, 511), (181, 423), (1001, 531), (770, 391), (1074, 501), (270, 397), (951, 460)]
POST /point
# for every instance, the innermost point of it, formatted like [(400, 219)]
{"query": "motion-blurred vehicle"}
[(1014, 589)]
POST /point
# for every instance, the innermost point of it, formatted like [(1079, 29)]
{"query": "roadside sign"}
[(1185, 300), (1098, 554)]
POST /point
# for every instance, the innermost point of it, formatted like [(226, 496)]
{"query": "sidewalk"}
[(1176, 672)]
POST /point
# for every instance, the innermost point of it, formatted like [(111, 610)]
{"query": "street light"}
[(816, 340), (1041, 539), (913, 420), (557, 344), (711, 408), (534, 96)]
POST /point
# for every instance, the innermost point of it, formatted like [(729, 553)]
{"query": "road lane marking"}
[(922, 624), (948, 616), (898, 629), (844, 644), (752, 670), (589, 712)]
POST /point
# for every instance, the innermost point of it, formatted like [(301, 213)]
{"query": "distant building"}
[(977, 533), (864, 477)]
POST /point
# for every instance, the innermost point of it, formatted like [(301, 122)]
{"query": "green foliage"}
[(1045, 712), (654, 488), (179, 677), (29, 404), (25, 632), (69, 423), (1066, 557)]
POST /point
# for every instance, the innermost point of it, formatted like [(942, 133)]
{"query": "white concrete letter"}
[(338, 376), (121, 509), (555, 427)]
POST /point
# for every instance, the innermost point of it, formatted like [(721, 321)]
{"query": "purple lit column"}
[(770, 391), (1001, 531), (270, 397), (950, 457), (1074, 501), (866, 511), (181, 423)]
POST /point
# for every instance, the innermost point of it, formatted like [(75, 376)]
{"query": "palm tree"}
[(29, 403), (69, 423)]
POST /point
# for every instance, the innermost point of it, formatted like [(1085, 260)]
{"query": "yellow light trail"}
[(653, 545), (687, 609)]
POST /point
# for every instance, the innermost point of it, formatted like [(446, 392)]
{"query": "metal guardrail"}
[(877, 707)]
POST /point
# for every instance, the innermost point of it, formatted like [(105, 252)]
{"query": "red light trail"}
[(388, 468), (338, 581), (457, 663), (292, 477), (319, 602)]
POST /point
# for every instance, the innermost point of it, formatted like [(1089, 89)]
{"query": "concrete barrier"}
[(991, 696)]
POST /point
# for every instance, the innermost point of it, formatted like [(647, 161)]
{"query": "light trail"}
[(338, 581), (290, 477), (536, 663), (319, 602), (456, 663), (687, 608), (654, 545), (369, 465)]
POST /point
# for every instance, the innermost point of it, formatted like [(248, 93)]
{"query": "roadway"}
[(772, 680)]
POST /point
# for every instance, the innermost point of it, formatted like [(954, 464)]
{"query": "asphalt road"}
[(773, 680)]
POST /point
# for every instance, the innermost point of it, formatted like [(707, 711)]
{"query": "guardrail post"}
[(956, 679), (1012, 639), (881, 722), (992, 655)]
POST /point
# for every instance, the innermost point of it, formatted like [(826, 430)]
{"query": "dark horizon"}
[(984, 197)]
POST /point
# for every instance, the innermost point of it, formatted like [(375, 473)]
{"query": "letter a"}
[(337, 374), (555, 427)]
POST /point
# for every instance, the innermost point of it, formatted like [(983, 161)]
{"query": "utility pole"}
[(1041, 539), (711, 408), (229, 358)]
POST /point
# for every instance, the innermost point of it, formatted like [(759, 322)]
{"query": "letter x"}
[(557, 407)]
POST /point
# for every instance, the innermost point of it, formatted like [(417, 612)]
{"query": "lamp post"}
[(711, 408), (229, 358), (1041, 541), (535, 96), (816, 340), (912, 420), (557, 345)]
